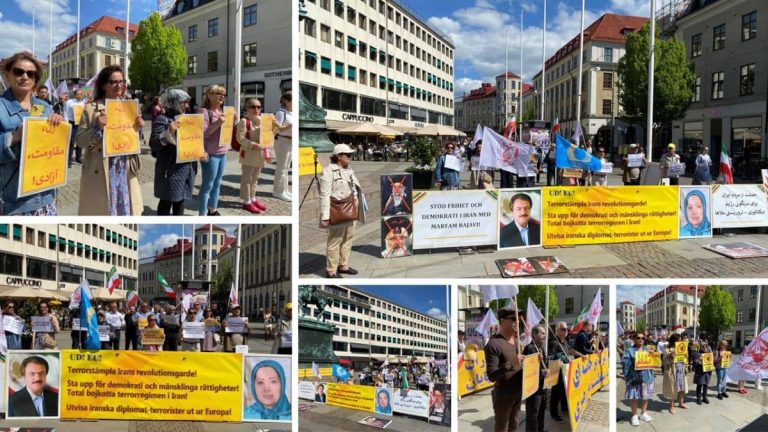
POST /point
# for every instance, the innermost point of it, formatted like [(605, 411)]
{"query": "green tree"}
[(535, 293), (717, 311), (529, 113), (221, 281), (641, 326), (673, 79), (158, 57)]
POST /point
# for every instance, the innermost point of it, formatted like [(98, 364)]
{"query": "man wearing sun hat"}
[(667, 160), (284, 336)]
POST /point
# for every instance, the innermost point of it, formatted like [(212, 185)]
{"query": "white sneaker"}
[(635, 421), (283, 197), (645, 417)]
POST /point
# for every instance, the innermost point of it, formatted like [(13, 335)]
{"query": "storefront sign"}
[(18, 281), (454, 218), (357, 118)]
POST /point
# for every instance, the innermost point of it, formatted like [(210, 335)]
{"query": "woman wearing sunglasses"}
[(251, 155), (639, 382), (213, 170), (22, 72), (108, 186)]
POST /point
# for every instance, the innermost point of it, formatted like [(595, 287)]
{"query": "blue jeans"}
[(720, 380), (213, 171), (13, 340)]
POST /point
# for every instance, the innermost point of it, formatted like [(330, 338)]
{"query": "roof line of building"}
[(358, 288)]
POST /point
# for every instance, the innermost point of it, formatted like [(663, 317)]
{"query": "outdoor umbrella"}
[(103, 294), (438, 130), (32, 293), (369, 129)]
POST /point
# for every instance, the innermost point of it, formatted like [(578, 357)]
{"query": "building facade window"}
[(696, 45), (717, 85), (607, 80), (310, 27), (310, 60), (747, 80), (213, 27), (191, 65), (607, 105), (249, 16), (749, 26), (718, 37), (697, 89), (192, 33), (213, 61), (339, 101), (249, 55), (325, 33)]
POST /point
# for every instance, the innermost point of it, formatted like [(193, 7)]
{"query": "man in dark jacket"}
[(583, 344), (35, 399), (504, 365), (131, 331), (535, 404)]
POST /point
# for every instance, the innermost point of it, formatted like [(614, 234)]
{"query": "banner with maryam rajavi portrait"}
[(576, 215), (267, 388)]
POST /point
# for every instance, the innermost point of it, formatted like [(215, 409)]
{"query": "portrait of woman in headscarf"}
[(695, 215), (383, 398), (267, 385)]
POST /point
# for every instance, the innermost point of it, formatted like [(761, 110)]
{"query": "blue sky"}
[(637, 294), (477, 29), (427, 299), (16, 20), (154, 237)]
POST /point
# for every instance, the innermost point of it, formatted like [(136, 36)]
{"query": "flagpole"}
[(34, 30), (78, 41), (237, 263), (665, 307), (506, 77), (183, 247), (546, 319), (520, 90), (210, 251), (194, 240), (695, 308), (581, 67), (543, 61), (238, 52), (651, 59), (127, 32), (50, 42)]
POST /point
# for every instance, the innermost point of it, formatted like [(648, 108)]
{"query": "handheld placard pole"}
[(314, 179)]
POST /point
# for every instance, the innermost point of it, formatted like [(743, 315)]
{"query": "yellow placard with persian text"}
[(530, 375), (152, 336), (225, 139), (356, 397), (77, 113), (120, 134), (267, 138), (473, 375), (138, 385), (586, 375), (44, 155), (307, 162), (189, 138), (594, 215), (647, 360)]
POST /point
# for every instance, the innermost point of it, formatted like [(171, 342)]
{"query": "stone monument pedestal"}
[(316, 343)]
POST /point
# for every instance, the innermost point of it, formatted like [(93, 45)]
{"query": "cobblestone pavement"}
[(326, 418), (729, 414), (229, 203), (663, 259), (476, 414)]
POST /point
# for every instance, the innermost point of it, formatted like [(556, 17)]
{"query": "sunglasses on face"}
[(640, 338), (31, 74), (254, 106), (116, 82)]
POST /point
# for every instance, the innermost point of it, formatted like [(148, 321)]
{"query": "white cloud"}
[(148, 249), (631, 7), (17, 35), (436, 313), (478, 33)]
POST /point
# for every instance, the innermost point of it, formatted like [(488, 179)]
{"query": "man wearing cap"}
[(631, 175), (283, 338), (667, 160), (504, 368), (338, 182)]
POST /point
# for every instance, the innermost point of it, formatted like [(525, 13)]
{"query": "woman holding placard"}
[(674, 384), (189, 344), (109, 186), (151, 327), (44, 328), (212, 326), (283, 144), (235, 336), (639, 382), (700, 377), (22, 73), (174, 182), (213, 119), (251, 155), (720, 368)]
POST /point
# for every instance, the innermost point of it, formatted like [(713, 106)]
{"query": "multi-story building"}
[(604, 45), (746, 299), (102, 43), (148, 288), (205, 254), (626, 314), (208, 32), (508, 87), (375, 61), (265, 268), (489, 105), (679, 301), (468, 297), (59, 257), (573, 299), (730, 56), (368, 327)]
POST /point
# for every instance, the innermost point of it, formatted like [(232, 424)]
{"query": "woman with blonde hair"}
[(108, 186), (213, 170), (251, 155)]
